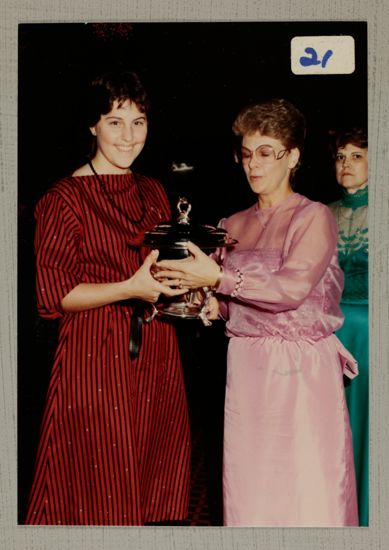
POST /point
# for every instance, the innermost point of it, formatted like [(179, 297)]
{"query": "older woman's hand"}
[(196, 271)]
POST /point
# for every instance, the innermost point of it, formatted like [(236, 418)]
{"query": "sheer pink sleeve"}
[(218, 256), (312, 243)]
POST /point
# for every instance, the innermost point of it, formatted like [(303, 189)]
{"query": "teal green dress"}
[(351, 214)]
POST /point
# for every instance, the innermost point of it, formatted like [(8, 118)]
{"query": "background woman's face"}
[(351, 167), (120, 135)]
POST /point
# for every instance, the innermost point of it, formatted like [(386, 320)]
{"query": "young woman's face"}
[(120, 135), (351, 165), (267, 165)]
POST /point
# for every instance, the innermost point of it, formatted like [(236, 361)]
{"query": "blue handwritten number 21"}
[(313, 60)]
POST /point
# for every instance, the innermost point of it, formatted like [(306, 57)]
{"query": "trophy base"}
[(182, 310)]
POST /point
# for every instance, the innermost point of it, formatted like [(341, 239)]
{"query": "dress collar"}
[(276, 206), (355, 200)]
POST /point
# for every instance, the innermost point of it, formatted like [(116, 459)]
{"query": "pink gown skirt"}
[(288, 458)]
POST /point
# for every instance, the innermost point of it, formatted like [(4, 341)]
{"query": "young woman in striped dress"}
[(114, 446)]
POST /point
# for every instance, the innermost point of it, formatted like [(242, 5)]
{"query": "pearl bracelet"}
[(238, 284)]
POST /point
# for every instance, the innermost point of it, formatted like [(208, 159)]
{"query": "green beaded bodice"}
[(351, 214)]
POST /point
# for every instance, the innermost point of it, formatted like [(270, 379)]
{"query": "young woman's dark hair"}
[(112, 86)]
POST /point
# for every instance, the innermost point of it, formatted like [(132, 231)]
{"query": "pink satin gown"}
[(288, 458)]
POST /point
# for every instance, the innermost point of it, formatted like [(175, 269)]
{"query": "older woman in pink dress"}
[(288, 458)]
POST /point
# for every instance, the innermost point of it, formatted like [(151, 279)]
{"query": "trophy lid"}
[(175, 236)]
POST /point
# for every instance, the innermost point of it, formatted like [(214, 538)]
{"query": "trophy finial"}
[(183, 207)]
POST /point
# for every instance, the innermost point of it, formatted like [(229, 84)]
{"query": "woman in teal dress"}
[(351, 213)]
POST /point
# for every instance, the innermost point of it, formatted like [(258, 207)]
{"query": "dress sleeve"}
[(218, 256), (58, 270), (312, 246)]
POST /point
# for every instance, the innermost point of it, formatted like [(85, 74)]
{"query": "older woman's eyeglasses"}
[(264, 154)]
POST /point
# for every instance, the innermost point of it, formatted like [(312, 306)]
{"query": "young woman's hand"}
[(141, 285), (196, 271), (144, 286)]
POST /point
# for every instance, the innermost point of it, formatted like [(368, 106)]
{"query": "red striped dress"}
[(114, 446)]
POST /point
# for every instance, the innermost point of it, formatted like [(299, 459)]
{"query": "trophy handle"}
[(183, 207), (153, 314), (202, 315)]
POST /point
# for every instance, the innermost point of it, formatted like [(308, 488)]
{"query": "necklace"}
[(110, 197)]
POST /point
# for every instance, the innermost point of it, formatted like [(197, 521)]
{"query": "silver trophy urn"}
[(171, 239)]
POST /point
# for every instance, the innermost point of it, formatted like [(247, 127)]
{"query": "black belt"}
[(138, 310)]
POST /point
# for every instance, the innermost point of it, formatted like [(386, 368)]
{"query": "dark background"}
[(199, 76)]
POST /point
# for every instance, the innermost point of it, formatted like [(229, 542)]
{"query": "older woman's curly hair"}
[(276, 118)]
